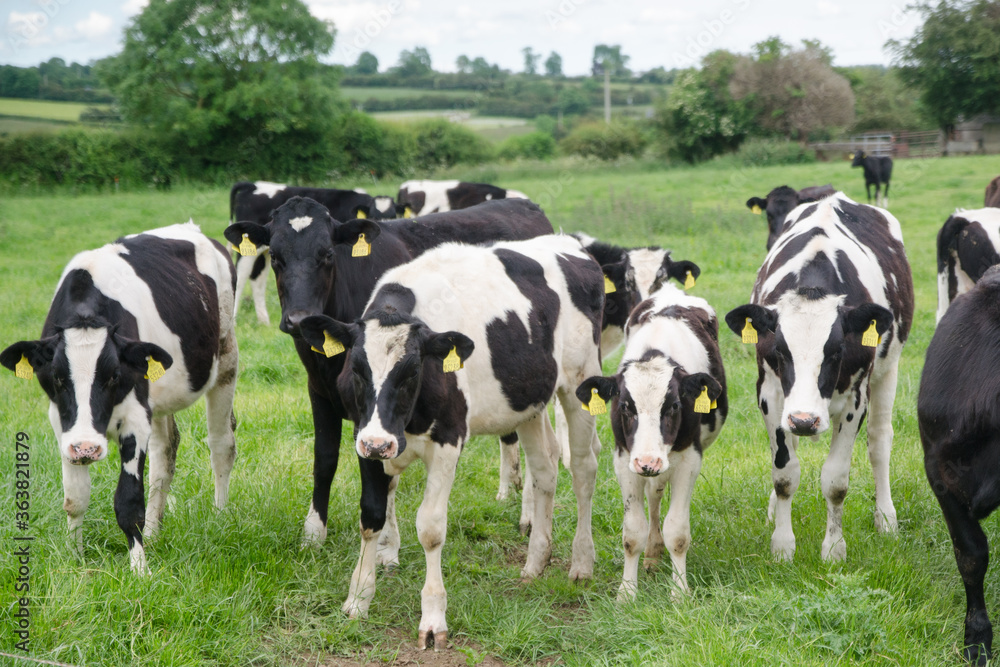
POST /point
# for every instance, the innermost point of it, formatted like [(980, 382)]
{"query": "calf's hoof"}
[(835, 552), (885, 522), (355, 608), (977, 655), (783, 549), (581, 572), (430, 639)]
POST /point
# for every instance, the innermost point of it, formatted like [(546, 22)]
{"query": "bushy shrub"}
[(440, 143), (769, 152), (363, 144), (605, 142), (534, 146)]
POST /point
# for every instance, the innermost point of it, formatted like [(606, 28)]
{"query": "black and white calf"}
[(533, 338), (959, 419), (831, 309), (780, 201), (668, 404), (317, 273), (967, 245), (121, 316), (878, 171), (253, 202), (423, 197)]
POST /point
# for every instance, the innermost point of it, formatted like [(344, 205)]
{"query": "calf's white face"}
[(87, 373)]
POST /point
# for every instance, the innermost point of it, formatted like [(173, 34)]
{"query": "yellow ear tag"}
[(749, 334), (452, 362), (871, 338), (23, 369), (597, 406), (154, 369), (689, 281), (331, 346), (755, 210), (714, 404), (247, 247), (407, 212), (609, 287), (361, 215), (703, 404), (362, 248)]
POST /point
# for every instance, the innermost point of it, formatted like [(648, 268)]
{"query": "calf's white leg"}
[(883, 395), (219, 409), (684, 468), (163, 443), (634, 524), (535, 439), (387, 553), (834, 480), (583, 464)]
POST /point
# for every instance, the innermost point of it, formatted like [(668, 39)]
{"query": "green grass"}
[(362, 93), (16, 125), (232, 587), (45, 109)]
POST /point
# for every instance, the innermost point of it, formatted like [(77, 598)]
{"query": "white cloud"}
[(827, 8), (27, 28), (94, 27), (132, 7)]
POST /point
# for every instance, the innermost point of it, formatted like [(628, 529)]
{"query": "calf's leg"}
[(535, 439), (510, 465), (684, 468), (327, 425), (258, 286), (219, 409), (634, 525), (834, 480), (883, 395), (130, 501), (163, 443), (583, 464)]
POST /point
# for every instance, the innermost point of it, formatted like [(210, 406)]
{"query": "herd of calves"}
[(472, 317)]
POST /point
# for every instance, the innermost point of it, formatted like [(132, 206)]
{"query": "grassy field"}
[(233, 588), (360, 94), (64, 111)]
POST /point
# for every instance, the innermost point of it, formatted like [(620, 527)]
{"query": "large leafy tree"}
[(793, 92), (553, 65), (953, 59), (700, 118), (414, 63), (235, 83)]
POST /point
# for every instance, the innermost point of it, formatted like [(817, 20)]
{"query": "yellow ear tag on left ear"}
[(597, 406), (407, 212), (749, 334), (609, 287), (871, 338), (362, 248), (714, 404), (703, 404), (331, 346), (689, 281), (452, 362), (23, 369), (755, 210), (361, 215), (154, 369), (247, 247)]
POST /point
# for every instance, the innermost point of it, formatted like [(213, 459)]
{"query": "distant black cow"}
[(423, 197), (780, 201), (878, 170), (993, 193), (967, 245), (253, 202), (317, 272), (959, 419), (138, 330)]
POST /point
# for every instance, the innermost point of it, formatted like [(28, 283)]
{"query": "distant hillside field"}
[(67, 112)]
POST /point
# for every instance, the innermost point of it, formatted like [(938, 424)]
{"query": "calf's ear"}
[(692, 386), (678, 270), (756, 202), (858, 319), (315, 327), (348, 232), (39, 353), (607, 388), (763, 319), (137, 354), (259, 235), (440, 345), (616, 272)]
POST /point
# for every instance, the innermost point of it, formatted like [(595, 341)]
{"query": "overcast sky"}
[(671, 34)]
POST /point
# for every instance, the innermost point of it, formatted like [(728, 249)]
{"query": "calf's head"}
[(302, 239), (86, 372), (392, 356), (776, 206), (652, 403), (858, 159), (812, 344)]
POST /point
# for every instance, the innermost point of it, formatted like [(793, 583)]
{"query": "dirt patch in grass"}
[(400, 649)]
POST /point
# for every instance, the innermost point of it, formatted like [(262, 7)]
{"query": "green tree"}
[(463, 64), (553, 65), (700, 118), (609, 61), (530, 60), (793, 92), (234, 83), (953, 59), (884, 102), (414, 63), (367, 63), (572, 100)]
